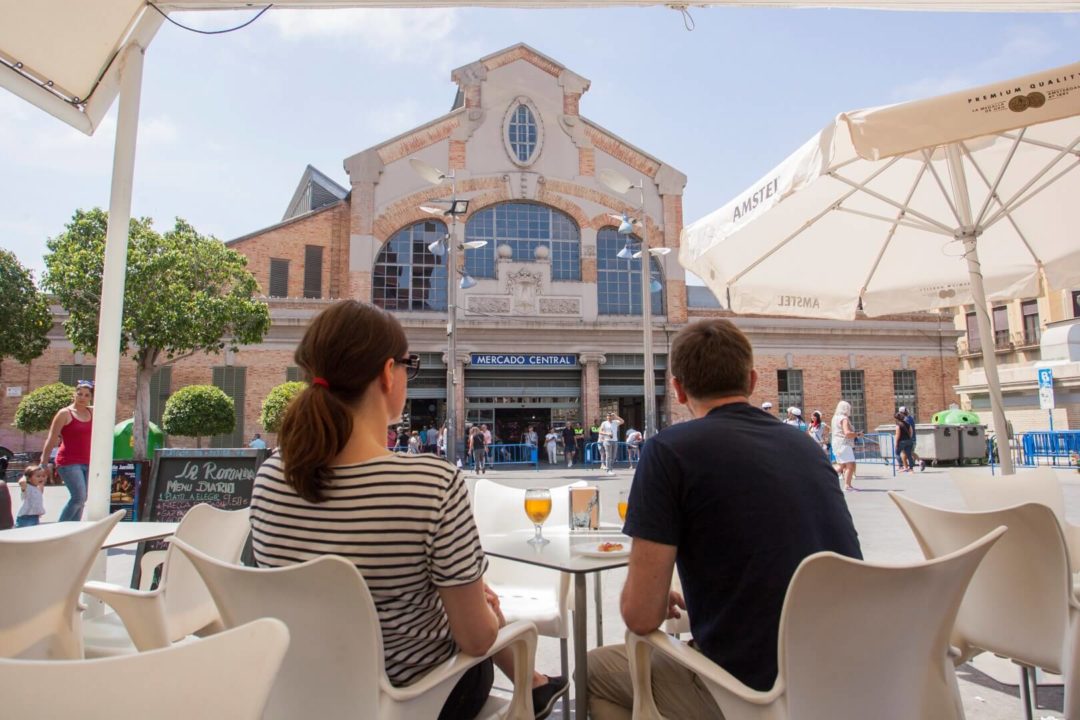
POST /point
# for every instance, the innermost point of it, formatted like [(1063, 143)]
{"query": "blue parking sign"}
[(1046, 377)]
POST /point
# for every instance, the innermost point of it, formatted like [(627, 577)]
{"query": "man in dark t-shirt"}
[(737, 501)]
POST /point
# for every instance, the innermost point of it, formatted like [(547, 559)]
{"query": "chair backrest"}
[(1018, 602), (335, 660), (1001, 491), (860, 640), (218, 533), (227, 675), (501, 509), (42, 582)]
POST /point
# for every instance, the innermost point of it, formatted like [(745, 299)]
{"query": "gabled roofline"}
[(313, 174)]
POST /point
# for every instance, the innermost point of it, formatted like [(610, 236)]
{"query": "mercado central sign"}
[(525, 360)]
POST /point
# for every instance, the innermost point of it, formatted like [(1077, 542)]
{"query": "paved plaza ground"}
[(884, 535)]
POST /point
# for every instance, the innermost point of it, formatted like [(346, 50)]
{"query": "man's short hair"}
[(712, 358)]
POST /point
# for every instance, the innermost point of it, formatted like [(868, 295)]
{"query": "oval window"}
[(522, 133)]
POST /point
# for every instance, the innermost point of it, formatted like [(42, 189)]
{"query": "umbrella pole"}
[(969, 236), (112, 287)]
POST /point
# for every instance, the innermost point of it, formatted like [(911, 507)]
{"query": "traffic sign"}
[(1046, 389)]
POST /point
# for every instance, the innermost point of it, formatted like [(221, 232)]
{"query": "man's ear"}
[(680, 393), (753, 381)]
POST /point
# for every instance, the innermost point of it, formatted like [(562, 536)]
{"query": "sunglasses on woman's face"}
[(411, 363)]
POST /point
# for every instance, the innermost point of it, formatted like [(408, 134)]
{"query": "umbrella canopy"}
[(938, 203)]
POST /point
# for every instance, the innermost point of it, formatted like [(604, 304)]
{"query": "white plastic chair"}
[(1020, 604), (542, 597), (1001, 491), (857, 640), (39, 612), (225, 676), (180, 606), (335, 667)]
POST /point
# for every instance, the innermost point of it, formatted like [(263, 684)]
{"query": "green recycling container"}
[(955, 417), (124, 440)]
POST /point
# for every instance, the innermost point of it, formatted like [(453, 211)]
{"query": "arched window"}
[(524, 227), (618, 281), (407, 276)]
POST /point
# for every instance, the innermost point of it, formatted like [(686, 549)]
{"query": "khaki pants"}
[(679, 693)]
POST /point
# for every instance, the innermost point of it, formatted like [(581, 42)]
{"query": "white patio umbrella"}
[(949, 201)]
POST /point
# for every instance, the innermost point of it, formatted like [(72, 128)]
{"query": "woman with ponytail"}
[(333, 487)]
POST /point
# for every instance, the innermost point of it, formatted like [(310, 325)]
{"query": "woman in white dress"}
[(843, 443)]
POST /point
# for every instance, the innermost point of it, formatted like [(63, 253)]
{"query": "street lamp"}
[(615, 181), (447, 246)]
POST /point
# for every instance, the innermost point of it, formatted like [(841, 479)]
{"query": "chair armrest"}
[(143, 613), (150, 560), (728, 691), (519, 636)]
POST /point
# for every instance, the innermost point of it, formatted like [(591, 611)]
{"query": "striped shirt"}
[(406, 523)]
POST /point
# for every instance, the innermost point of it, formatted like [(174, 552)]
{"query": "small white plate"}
[(593, 550)]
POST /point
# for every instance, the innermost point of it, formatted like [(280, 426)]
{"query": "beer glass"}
[(538, 507), (624, 497)]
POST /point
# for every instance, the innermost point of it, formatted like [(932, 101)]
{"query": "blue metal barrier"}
[(512, 454), (875, 448), (1048, 448)]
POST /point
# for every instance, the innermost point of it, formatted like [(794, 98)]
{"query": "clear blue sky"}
[(229, 122)]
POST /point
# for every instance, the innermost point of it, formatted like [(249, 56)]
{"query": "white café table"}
[(563, 554), (125, 533)]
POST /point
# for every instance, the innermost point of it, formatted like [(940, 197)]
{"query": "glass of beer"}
[(624, 497), (538, 507)]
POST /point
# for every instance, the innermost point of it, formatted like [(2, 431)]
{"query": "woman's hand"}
[(492, 600)]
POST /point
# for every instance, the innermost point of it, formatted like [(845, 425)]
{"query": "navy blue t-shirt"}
[(745, 499)]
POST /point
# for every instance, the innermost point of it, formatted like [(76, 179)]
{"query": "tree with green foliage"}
[(37, 409), (197, 411), (185, 293), (25, 312), (276, 403)]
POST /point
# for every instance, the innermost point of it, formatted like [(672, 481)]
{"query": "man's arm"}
[(645, 596)]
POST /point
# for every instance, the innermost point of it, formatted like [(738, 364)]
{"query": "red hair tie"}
[(320, 381)]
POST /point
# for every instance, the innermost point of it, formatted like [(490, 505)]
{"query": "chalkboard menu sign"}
[(184, 477)]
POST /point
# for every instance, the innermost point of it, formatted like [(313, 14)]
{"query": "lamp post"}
[(456, 207), (618, 183)]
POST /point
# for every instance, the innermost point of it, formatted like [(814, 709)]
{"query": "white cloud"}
[(400, 35)]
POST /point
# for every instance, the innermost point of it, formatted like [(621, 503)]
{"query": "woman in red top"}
[(71, 428)]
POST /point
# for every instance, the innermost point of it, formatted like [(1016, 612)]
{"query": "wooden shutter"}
[(313, 257), (160, 388), (232, 381), (279, 278), (71, 374)]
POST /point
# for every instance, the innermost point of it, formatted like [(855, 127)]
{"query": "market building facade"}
[(549, 329)]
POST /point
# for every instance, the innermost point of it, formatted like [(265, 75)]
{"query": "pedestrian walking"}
[(569, 438), (609, 442), (819, 431), (843, 443), (71, 427), (903, 442)]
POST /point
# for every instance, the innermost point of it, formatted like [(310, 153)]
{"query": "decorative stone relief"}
[(588, 251), (560, 306), (524, 289), (494, 305)]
